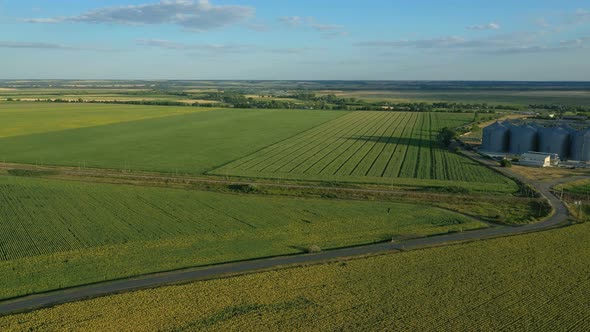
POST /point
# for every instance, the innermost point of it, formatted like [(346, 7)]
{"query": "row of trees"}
[(241, 101)]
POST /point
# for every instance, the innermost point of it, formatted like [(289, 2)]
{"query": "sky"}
[(295, 39)]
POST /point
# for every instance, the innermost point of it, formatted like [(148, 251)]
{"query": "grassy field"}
[(189, 143), (19, 118), (52, 231), (506, 97), (548, 174), (535, 282), (577, 197), (581, 187), (378, 147)]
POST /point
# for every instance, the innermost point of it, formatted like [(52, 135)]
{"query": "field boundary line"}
[(297, 148), (344, 141), (276, 144), (362, 145), (390, 123), (338, 154), (388, 141)]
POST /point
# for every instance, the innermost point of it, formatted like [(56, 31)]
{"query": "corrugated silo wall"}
[(523, 139), (495, 138), (580, 146), (554, 140)]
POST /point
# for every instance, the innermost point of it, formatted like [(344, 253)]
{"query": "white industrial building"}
[(538, 159)]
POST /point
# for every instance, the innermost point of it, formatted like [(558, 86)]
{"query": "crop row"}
[(533, 282), (41, 217), (369, 144)]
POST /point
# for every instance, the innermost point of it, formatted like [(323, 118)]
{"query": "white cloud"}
[(216, 48), (579, 42), (489, 26), (193, 15), (292, 20), (580, 16), (257, 27), (444, 42), (43, 20), (503, 44), (328, 30), (293, 50), (542, 22), (49, 46), (219, 49), (39, 45), (324, 27)]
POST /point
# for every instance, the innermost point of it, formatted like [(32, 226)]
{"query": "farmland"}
[(192, 142), (21, 118), (364, 147), (535, 282), (94, 192), (52, 231), (377, 147), (507, 93), (485, 95)]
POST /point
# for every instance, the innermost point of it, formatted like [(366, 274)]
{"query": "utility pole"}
[(578, 204)]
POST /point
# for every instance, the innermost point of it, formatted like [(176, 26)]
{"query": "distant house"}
[(538, 159)]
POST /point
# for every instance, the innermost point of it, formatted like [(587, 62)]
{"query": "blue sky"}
[(304, 39)]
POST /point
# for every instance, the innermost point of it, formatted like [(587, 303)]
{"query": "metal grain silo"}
[(495, 138), (523, 139), (507, 124), (580, 145), (569, 129), (554, 140)]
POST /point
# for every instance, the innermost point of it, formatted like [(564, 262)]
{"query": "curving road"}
[(52, 298)]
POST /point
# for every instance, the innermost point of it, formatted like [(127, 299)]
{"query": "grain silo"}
[(580, 146), (507, 124), (523, 139), (568, 128), (495, 138), (554, 140)]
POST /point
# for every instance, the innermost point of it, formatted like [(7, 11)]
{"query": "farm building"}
[(536, 159)]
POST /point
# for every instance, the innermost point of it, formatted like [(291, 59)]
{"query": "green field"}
[(364, 147), (52, 231), (21, 118), (189, 143), (534, 282), (499, 96), (581, 187), (371, 147)]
